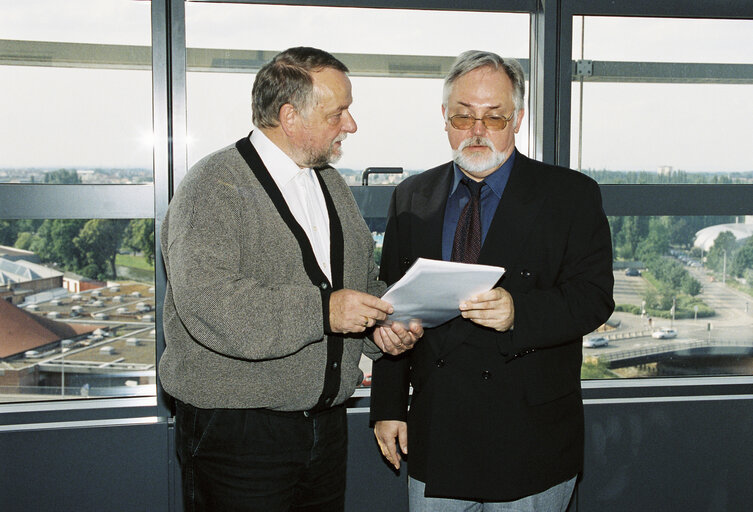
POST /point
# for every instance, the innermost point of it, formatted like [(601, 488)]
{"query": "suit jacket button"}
[(525, 273), (486, 375), (323, 285), (440, 363)]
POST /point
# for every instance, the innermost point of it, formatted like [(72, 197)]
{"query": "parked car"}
[(664, 333), (633, 272), (595, 342)]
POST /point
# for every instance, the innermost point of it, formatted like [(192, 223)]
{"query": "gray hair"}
[(287, 79), (474, 59)]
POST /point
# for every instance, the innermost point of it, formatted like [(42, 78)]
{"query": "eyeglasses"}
[(466, 121)]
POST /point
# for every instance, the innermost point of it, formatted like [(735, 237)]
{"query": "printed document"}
[(432, 290)]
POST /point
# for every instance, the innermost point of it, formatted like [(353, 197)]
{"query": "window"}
[(77, 83), (397, 80), (77, 255), (668, 109)]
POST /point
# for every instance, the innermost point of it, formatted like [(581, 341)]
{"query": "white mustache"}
[(477, 141)]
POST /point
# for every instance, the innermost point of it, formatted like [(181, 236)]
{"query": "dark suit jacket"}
[(498, 416)]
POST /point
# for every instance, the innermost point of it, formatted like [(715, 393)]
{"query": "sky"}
[(98, 118)]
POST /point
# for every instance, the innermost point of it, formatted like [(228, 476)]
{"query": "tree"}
[(690, 285), (54, 242), (139, 237), (7, 232), (62, 177), (25, 241), (743, 259), (98, 243), (724, 246)]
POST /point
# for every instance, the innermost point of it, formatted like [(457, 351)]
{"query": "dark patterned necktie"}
[(467, 243)]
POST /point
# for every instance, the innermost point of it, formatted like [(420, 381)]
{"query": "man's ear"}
[(288, 117)]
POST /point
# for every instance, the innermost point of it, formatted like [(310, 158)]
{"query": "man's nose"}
[(478, 128), (349, 124)]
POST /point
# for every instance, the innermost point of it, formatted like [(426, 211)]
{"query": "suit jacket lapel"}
[(428, 205), (516, 212)]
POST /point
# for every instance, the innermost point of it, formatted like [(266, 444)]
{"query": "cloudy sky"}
[(89, 117)]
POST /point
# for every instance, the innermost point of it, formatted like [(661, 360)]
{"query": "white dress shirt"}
[(302, 193)]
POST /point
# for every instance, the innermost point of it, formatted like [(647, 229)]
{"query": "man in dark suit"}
[(496, 416)]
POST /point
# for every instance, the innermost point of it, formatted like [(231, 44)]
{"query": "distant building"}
[(13, 254), (706, 237), (75, 283), (23, 278)]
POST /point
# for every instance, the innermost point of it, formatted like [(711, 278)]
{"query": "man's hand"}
[(491, 309), (386, 432), (353, 311), (395, 338)]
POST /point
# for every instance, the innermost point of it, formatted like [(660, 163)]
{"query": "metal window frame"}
[(549, 96)]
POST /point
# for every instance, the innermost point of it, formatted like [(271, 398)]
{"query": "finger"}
[(416, 328), (373, 302), (403, 440), (376, 314), (386, 344), (379, 339), (389, 449)]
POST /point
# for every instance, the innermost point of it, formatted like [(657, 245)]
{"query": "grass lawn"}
[(133, 261)]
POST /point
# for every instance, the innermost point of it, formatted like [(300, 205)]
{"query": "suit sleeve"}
[(581, 298), (390, 374)]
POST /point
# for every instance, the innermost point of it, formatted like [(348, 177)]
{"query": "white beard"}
[(478, 164)]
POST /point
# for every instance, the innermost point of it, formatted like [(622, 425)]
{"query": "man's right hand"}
[(386, 432), (354, 311)]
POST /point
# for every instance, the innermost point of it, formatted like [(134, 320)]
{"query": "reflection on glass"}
[(76, 308), (397, 81), (684, 300), (670, 107), (77, 83)]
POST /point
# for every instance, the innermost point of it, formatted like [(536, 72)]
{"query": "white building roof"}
[(705, 237), (22, 271)]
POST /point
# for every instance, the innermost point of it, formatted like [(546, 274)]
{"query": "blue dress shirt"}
[(459, 196)]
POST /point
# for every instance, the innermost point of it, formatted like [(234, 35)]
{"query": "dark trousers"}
[(255, 460)]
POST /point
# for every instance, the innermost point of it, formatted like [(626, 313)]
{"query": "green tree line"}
[(86, 247)]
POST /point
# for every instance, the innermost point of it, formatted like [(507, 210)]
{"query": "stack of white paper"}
[(432, 290)]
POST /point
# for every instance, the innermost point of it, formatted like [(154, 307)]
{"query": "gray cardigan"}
[(244, 325)]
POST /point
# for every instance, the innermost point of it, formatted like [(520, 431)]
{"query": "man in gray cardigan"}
[(272, 289)]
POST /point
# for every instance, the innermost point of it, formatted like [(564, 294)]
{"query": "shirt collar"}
[(282, 168), (496, 181)]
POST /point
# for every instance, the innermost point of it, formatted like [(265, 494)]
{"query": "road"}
[(733, 320)]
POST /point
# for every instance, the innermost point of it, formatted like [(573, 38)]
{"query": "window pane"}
[(684, 301), (674, 104), (77, 87), (76, 308), (397, 80)]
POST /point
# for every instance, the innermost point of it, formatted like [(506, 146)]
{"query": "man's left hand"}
[(493, 309), (395, 338)]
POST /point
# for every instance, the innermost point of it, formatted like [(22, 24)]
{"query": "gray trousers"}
[(554, 499)]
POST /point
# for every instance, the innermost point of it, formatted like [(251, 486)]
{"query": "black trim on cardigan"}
[(318, 278)]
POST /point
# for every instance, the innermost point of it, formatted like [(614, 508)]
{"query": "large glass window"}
[(397, 80), (77, 296), (77, 85), (77, 304), (672, 106)]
